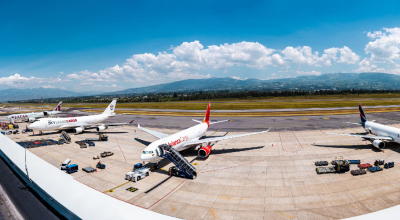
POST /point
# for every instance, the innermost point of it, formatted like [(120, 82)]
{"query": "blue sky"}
[(114, 45)]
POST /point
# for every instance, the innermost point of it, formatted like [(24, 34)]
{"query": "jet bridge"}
[(166, 151)]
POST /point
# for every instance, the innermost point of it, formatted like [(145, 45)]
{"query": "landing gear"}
[(40, 132)]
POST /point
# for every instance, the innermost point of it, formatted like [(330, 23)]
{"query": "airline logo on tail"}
[(207, 117), (362, 114), (58, 108)]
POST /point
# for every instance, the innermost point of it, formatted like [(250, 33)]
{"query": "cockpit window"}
[(148, 152)]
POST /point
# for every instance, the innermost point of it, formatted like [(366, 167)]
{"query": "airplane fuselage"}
[(67, 123), (178, 141), (32, 115), (383, 130)]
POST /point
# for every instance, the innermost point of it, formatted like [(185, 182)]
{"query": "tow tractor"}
[(138, 173)]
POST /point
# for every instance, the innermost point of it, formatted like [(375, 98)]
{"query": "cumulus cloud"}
[(18, 81), (305, 56), (385, 45)]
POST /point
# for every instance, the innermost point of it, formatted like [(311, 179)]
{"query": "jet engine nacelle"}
[(31, 119), (378, 144), (101, 128), (78, 130), (204, 151)]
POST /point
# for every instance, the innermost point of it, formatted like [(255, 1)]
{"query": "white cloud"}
[(313, 72), (48, 87), (348, 56), (385, 45), (19, 81), (305, 56)]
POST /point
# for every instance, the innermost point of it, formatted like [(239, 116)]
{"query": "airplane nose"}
[(32, 126)]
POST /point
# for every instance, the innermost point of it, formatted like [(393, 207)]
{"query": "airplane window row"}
[(148, 152)]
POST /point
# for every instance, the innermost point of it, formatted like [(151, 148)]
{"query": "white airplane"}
[(186, 139), (380, 132), (78, 124), (31, 117), (3, 106)]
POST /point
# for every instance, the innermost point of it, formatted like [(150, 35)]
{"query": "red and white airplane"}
[(185, 139)]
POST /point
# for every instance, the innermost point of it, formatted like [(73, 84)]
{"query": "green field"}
[(281, 103)]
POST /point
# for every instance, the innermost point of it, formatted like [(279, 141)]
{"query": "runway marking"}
[(112, 190), (304, 119)]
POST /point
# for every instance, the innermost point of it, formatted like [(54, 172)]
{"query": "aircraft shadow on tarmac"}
[(193, 152), (146, 143)]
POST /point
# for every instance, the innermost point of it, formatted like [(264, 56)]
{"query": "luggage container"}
[(354, 161)]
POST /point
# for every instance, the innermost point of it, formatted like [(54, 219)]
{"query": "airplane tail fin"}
[(58, 108), (362, 114), (207, 117), (111, 107)]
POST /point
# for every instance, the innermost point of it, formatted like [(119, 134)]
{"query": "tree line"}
[(210, 95)]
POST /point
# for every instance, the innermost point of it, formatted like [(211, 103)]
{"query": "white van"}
[(65, 164)]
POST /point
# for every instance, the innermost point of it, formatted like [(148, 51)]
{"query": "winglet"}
[(207, 117)]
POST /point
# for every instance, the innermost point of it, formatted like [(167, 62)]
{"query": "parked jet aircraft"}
[(380, 132), (78, 124), (186, 139), (31, 117)]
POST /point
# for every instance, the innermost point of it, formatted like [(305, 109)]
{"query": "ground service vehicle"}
[(138, 174), (72, 168), (100, 165), (173, 171), (379, 162), (388, 165), (106, 154), (65, 164)]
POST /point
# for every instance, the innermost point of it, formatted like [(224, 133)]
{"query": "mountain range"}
[(332, 81)]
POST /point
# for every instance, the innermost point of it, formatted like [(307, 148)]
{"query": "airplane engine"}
[(204, 151), (378, 144), (30, 119), (78, 130), (101, 128)]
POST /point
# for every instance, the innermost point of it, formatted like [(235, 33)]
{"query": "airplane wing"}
[(211, 122), (156, 134), (366, 136), (88, 126), (208, 140)]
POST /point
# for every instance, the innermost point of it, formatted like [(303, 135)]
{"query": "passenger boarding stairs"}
[(166, 151)]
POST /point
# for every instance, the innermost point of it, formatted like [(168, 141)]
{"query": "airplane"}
[(78, 124), (380, 132), (185, 139), (3, 106), (31, 117)]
